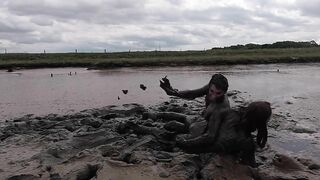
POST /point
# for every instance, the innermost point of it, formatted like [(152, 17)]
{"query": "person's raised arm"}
[(186, 94)]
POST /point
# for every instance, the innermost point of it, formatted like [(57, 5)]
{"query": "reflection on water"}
[(36, 92)]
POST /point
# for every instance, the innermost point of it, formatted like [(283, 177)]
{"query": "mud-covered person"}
[(226, 130), (176, 123), (215, 99)]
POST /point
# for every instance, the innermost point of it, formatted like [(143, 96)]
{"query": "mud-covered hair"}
[(220, 82)]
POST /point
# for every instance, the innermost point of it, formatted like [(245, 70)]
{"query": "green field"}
[(160, 58)]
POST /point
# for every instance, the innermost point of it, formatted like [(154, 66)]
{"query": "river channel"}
[(292, 89)]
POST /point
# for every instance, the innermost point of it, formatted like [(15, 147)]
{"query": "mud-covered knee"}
[(176, 126)]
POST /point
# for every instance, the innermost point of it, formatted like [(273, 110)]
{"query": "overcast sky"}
[(120, 25)]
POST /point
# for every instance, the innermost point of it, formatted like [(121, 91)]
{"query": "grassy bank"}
[(160, 58)]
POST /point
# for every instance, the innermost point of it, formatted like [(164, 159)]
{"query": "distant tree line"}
[(281, 44)]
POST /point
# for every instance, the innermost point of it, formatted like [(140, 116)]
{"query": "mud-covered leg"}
[(159, 133), (247, 153), (177, 127), (175, 122), (166, 116), (182, 142)]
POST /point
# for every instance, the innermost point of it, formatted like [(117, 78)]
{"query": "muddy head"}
[(257, 115), (218, 87)]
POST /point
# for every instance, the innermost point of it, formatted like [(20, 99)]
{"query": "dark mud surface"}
[(94, 144)]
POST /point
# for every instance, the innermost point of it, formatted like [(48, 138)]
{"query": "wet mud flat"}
[(97, 144)]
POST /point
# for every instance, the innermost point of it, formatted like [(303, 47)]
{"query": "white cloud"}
[(118, 25)]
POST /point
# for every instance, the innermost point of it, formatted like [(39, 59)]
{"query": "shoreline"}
[(113, 65), (159, 58)]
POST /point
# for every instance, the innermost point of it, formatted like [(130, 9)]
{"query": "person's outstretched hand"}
[(166, 86)]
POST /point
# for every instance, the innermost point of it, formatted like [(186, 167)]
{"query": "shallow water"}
[(36, 92), (293, 92)]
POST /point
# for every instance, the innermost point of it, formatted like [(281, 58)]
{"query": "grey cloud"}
[(68, 10), (41, 21), (131, 24), (14, 28), (17, 29), (30, 38), (233, 15), (228, 16), (309, 8), (135, 12), (240, 16), (110, 11), (125, 4), (285, 21)]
